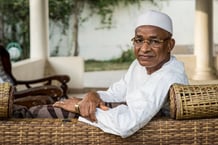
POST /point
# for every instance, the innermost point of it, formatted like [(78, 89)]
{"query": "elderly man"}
[(144, 87)]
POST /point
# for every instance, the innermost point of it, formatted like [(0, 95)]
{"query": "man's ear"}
[(171, 44)]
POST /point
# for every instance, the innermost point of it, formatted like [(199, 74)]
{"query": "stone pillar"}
[(203, 45), (39, 28)]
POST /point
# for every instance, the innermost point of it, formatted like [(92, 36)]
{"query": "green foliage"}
[(14, 15), (119, 63), (61, 10), (105, 8), (126, 56), (94, 65)]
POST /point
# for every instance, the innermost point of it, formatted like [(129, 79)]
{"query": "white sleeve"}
[(142, 106), (144, 100), (125, 120), (117, 91)]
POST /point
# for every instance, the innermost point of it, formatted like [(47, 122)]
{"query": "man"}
[(144, 87)]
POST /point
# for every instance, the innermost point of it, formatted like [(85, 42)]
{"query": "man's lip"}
[(145, 56)]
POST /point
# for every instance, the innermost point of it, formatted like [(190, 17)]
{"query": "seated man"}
[(144, 87)]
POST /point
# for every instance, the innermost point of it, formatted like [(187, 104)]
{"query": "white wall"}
[(30, 69), (105, 44), (71, 66)]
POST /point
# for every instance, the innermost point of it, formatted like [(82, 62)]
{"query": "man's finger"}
[(92, 110), (93, 117), (103, 107), (58, 104)]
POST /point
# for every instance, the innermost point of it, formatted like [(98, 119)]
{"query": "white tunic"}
[(145, 96)]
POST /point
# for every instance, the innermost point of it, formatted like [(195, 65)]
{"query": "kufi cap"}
[(155, 18)]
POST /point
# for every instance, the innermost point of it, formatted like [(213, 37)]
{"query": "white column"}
[(39, 29), (203, 44)]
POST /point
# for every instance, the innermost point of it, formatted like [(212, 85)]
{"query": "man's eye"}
[(154, 41), (139, 40)]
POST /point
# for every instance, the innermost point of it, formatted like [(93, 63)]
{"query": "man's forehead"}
[(149, 30)]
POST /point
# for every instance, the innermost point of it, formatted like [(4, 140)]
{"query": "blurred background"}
[(95, 35)]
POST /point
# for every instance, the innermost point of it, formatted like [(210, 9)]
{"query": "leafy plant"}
[(14, 23), (126, 56), (92, 65), (121, 62), (14, 17), (74, 8)]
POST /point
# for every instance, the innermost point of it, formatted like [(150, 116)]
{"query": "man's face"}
[(152, 47)]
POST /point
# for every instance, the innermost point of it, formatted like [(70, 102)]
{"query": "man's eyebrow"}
[(150, 37), (139, 36), (153, 37)]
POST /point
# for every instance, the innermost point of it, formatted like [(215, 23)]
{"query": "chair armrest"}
[(48, 90), (61, 78)]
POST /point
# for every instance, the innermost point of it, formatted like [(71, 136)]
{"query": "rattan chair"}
[(33, 88), (159, 131)]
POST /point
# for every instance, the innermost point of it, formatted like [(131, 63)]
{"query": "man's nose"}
[(145, 47)]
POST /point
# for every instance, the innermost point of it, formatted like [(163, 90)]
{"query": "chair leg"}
[(64, 88)]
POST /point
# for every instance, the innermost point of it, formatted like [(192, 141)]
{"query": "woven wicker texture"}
[(194, 101), (159, 131), (6, 100)]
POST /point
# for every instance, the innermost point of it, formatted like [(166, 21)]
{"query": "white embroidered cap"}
[(155, 18)]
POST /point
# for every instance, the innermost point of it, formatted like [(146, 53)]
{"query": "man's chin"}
[(145, 64)]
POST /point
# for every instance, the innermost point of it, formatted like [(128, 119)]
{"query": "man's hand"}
[(89, 104), (68, 104)]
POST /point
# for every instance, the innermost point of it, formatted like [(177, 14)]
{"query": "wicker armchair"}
[(33, 88), (160, 130)]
